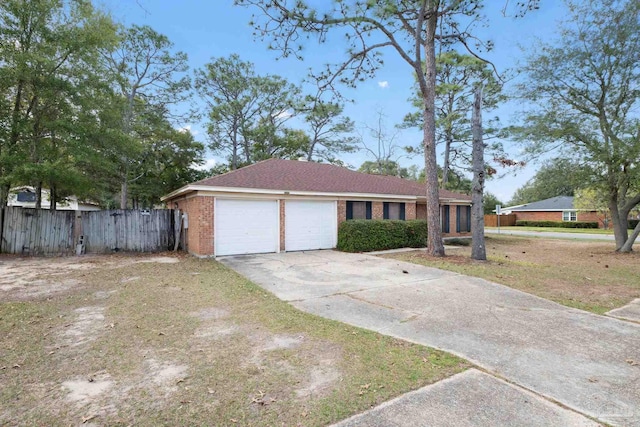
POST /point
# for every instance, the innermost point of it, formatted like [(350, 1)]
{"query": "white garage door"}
[(246, 226), (310, 225)]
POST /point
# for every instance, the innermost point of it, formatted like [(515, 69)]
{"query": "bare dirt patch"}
[(84, 391), (164, 374), (320, 379), (85, 327), (185, 342), (211, 313), (580, 274)]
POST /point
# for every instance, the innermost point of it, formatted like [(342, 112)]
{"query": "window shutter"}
[(402, 214), (385, 210), (349, 210), (447, 219), (368, 210), (468, 218), (458, 218)]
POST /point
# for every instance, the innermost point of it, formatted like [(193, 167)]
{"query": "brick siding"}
[(199, 210), (409, 211), (538, 216), (377, 210), (557, 216), (342, 211), (421, 213)]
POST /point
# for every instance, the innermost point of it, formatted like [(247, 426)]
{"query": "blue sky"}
[(206, 29)]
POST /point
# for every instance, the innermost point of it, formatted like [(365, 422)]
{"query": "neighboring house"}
[(554, 209), (25, 197), (279, 205)]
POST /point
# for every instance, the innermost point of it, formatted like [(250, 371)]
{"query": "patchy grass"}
[(164, 340), (585, 275), (556, 229)]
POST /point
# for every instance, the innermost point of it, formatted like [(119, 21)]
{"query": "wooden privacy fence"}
[(505, 220), (44, 232), (36, 231)]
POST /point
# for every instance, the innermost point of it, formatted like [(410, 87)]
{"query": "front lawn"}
[(580, 274), (166, 340)]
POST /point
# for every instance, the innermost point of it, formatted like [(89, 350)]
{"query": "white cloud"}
[(208, 164), (284, 114), (383, 84), (187, 128)]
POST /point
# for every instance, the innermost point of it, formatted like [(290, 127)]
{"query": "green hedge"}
[(558, 224), (362, 235), (632, 223)]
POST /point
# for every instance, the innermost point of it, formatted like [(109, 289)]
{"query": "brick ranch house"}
[(559, 208), (287, 205)]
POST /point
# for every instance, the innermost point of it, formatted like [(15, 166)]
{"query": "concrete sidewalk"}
[(471, 398), (584, 361)]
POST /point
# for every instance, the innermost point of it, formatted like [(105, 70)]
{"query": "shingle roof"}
[(560, 203), (293, 175)]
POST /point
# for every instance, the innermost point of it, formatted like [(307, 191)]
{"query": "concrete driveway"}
[(586, 362)]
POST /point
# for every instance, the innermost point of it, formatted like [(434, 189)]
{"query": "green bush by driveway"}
[(377, 235)]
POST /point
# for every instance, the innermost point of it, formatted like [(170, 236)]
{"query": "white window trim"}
[(571, 215)]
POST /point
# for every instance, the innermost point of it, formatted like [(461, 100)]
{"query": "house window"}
[(393, 211), (569, 216), (444, 218), (26, 196), (358, 210), (463, 219)]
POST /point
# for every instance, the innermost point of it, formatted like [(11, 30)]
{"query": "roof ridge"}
[(235, 170)]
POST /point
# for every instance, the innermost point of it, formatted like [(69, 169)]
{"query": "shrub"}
[(558, 224), (416, 233), (633, 223), (377, 235), (456, 241)]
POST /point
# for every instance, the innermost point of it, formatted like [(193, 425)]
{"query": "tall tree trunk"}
[(619, 227), (478, 249), (234, 152), (4, 194), (127, 127), (435, 245), (628, 245), (53, 197), (38, 195), (124, 196), (447, 159)]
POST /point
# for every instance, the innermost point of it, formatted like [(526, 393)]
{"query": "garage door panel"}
[(246, 226), (310, 225)]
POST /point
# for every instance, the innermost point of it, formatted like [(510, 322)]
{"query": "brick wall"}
[(199, 210), (557, 216), (538, 216), (421, 213), (591, 217), (453, 216), (342, 211), (410, 211), (377, 210)]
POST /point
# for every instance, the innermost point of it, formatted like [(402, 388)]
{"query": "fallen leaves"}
[(260, 399), (88, 418), (364, 388)]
